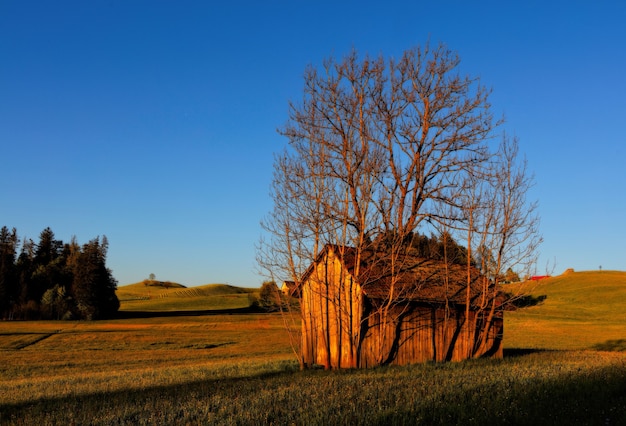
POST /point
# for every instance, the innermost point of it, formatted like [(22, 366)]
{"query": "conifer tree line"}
[(55, 280)]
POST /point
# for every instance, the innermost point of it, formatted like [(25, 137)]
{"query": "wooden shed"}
[(363, 309)]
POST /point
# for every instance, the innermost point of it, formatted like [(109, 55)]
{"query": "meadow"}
[(198, 356)]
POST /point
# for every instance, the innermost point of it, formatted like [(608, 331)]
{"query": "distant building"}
[(289, 288), (539, 277)]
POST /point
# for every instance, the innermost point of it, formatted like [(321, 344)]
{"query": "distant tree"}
[(71, 253), (449, 250), (48, 248), (511, 276), (55, 280), (48, 265), (93, 285), (24, 270), (253, 300), (270, 296), (438, 247), (152, 277)]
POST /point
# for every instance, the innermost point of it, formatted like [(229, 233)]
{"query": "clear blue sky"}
[(154, 122)]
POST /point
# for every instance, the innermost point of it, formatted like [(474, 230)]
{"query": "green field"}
[(141, 297), (581, 310), (193, 358)]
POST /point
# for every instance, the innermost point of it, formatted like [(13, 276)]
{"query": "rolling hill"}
[(177, 297), (581, 310)]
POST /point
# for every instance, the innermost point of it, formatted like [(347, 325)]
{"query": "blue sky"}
[(154, 122)]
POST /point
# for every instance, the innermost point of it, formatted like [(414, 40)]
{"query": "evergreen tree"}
[(93, 285), (55, 280), (8, 272), (48, 265), (48, 248), (24, 270), (450, 250)]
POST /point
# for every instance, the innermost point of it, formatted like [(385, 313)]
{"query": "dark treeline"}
[(55, 280), (443, 247)]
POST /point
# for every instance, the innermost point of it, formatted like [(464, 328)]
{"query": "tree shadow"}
[(618, 345), (588, 397), (518, 352), (107, 403), (526, 301), (160, 314)]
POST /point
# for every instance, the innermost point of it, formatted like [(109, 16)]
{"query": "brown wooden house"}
[(371, 308), (290, 288)]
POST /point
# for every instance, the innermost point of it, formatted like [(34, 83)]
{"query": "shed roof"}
[(406, 277)]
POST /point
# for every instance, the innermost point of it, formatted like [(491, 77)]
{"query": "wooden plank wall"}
[(331, 317), (331, 309), (424, 334)]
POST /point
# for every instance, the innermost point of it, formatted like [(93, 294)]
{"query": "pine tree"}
[(24, 270), (48, 266), (93, 285), (55, 280), (8, 273), (48, 248)]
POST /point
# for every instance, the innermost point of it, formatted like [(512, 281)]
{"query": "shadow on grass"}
[(141, 405), (158, 314), (591, 397), (594, 396), (526, 301), (517, 352), (618, 345)]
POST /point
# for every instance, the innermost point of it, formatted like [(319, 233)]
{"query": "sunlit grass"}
[(239, 369), (176, 303), (140, 297), (85, 357), (582, 310)]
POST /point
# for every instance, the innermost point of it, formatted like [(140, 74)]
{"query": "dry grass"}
[(52, 359), (538, 388), (239, 369)]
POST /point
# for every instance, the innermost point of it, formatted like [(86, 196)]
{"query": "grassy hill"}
[(581, 310), (177, 297)]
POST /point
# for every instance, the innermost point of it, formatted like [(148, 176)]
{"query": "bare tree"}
[(378, 149), (501, 229)]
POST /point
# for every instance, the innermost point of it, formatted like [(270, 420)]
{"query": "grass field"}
[(238, 368), (581, 310), (139, 297)]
